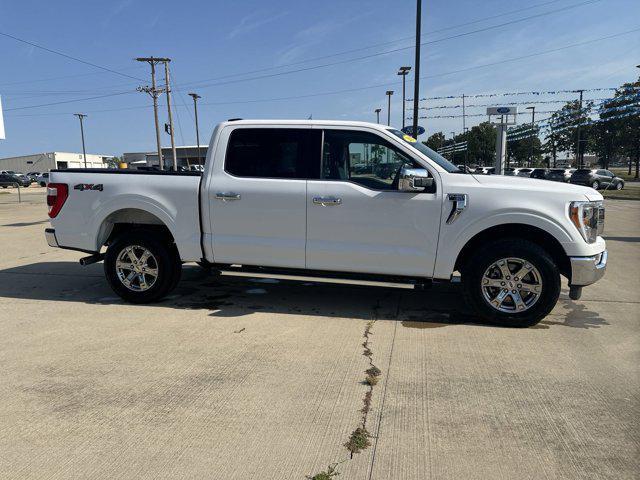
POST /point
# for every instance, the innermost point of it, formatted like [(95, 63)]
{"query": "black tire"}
[(165, 259), (483, 258), (42, 184), (619, 186), (595, 185)]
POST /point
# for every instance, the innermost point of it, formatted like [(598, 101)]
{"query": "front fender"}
[(455, 236)]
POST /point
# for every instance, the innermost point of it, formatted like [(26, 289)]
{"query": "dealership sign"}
[(502, 111)]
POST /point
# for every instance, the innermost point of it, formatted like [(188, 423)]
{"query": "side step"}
[(301, 275)]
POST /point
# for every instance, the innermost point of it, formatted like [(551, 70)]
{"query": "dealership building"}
[(43, 162)]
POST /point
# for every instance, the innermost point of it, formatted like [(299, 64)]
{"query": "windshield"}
[(422, 148)]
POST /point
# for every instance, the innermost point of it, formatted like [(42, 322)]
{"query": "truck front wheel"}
[(511, 282), (142, 268)]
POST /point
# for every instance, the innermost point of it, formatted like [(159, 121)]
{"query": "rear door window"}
[(274, 153)]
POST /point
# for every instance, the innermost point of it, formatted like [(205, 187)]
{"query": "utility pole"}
[(153, 91), (389, 93), (579, 158), (416, 80), (464, 135), (84, 152), (378, 110), (403, 72), (195, 97), (533, 120), (168, 91)]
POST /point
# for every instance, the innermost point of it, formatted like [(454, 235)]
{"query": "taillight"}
[(57, 194)]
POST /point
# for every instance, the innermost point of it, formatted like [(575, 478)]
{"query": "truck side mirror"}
[(414, 179)]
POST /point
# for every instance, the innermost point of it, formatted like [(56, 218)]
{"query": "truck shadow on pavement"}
[(230, 296)]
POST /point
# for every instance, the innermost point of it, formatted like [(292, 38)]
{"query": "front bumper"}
[(588, 270), (50, 235)]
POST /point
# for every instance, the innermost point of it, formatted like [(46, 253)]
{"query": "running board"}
[(300, 275)]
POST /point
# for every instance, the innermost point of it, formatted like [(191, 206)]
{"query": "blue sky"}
[(213, 44)]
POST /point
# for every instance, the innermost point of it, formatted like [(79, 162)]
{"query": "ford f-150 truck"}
[(334, 199)]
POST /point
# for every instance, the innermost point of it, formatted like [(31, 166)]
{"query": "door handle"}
[(327, 201), (227, 196)]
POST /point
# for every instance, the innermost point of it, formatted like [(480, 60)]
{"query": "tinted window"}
[(273, 153), (363, 158)]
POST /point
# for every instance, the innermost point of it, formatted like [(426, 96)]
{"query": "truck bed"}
[(100, 198)]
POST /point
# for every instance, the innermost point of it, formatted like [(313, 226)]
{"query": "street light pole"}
[(81, 116), (533, 120), (195, 97), (579, 158), (416, 80), (389, 93), (403, 72), (453, 149), (378, 110)]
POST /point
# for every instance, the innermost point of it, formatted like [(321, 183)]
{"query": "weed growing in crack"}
[(373, 371), (331, 472), (358, 441), (371, 380)]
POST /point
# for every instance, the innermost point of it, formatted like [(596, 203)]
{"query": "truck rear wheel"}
[(142, 268), (511, 282)]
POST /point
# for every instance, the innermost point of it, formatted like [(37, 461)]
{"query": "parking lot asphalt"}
[(245, 378)]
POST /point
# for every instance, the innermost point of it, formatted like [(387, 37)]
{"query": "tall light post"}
[(533, 121), (403, 71), (81, 116), (195, 97), (453, 149), (416, 76), (378, 110), (389, 93)]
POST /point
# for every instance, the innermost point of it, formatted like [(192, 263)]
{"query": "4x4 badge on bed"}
[(88, 186)]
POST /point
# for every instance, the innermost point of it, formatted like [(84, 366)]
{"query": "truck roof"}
[(337, 123)]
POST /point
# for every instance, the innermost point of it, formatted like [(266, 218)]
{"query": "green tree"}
[(435, 141), (564, 126), (481, 142)]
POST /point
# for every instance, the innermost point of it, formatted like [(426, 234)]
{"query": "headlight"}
[(588, 217)]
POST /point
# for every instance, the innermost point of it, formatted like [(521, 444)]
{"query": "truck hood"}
[(538, 185)]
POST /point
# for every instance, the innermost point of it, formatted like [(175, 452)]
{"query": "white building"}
[(43, 162)]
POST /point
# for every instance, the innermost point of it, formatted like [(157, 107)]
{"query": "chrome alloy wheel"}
[(511, 285), (137, 268)]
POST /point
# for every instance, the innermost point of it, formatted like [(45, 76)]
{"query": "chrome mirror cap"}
[(413, 179)]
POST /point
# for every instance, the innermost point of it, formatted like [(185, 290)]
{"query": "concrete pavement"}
[(241, 378)]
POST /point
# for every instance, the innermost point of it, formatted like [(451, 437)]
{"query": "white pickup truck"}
[(334, 199)]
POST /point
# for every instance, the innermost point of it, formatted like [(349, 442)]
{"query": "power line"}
[(65, 101), (360, 49), (377, 54), (607, 37), (56, 52)]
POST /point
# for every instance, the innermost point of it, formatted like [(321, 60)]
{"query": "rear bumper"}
[(50, 235), (588, 270)]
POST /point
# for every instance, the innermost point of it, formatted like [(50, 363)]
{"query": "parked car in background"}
[(8, 180), (560, 174), (540, 173), (464, 168), (524, 172), (33, 176), (43, 179), (484, 170), (596, 178)]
